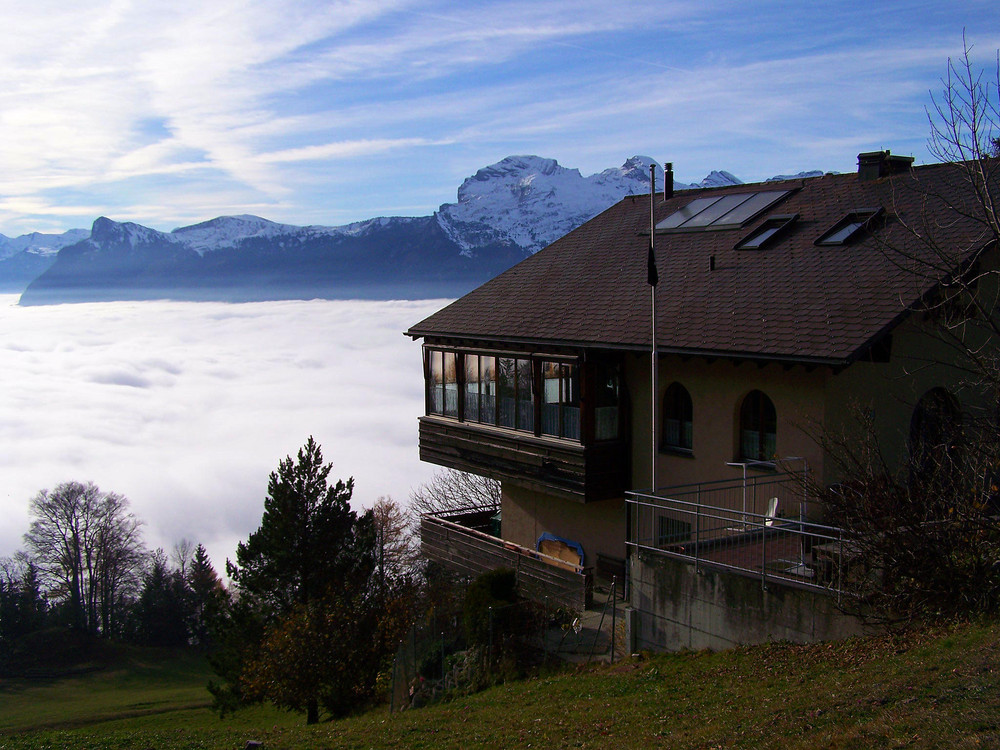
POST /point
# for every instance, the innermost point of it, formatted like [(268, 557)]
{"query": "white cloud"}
[(304, 110), (186, 407)]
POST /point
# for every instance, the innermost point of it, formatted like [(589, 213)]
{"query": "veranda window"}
[(560, 402), (514, 389), (606, 402), (538, 395), (472, 388), (480, 388), (442, 384)]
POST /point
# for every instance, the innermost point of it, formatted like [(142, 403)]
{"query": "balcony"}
[(461, 542), (563, 468)]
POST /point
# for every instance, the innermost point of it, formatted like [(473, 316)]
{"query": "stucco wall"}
[(717, 391), (890, 391), (599, 526), (678, 607)]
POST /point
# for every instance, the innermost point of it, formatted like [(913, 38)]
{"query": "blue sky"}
[(329, 112)]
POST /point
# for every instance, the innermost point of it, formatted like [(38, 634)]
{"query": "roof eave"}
[(508, 341)]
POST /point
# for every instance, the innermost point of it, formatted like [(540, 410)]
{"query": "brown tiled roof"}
[(792, 300)]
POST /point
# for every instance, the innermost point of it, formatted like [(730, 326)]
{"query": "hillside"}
[(929, 689)]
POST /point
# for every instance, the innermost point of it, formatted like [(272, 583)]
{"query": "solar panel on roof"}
[(723, 212), (684, 214), (720, 208), (748, 209)]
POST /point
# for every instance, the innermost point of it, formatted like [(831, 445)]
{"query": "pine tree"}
[(209, 597), (164, 607), (311, 554)]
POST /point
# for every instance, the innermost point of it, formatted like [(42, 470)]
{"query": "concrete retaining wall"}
[(678, 607)]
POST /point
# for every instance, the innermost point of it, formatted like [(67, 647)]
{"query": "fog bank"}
[(186, 407)]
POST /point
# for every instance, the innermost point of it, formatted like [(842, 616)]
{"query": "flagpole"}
[(652, 278)]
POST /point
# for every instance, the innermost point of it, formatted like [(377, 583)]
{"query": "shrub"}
[(496, 589)]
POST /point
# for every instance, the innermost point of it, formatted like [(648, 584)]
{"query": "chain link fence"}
[(439, 658)]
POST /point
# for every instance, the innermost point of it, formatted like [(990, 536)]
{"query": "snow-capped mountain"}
[(37, 243), (25, 257), (797, 176), (504, 212), (530, 202)]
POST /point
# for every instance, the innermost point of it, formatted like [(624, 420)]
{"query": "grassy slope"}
[(928, 690), (118, 682)]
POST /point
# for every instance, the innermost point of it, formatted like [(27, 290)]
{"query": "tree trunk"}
[(312, 711)]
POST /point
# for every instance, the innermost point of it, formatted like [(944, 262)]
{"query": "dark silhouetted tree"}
[(88, 548), (165, 607), (209, 595), (306, 569), (22, 604)]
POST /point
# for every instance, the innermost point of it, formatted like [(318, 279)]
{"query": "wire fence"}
[(441, 658)]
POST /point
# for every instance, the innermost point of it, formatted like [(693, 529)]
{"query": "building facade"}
[(784, 311)]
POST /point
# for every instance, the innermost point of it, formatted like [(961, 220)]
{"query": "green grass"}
[(123, 682), (925, 690)]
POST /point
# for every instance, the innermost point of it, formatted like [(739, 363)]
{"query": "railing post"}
[(697, 532), (840, 563), (763, 549)]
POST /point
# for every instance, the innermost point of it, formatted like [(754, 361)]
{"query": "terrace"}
[(756, 526), (465, 541)]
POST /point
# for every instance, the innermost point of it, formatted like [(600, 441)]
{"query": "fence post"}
[(614, 612), (545, 631), (840, 563), (490, 654), (395, 669)]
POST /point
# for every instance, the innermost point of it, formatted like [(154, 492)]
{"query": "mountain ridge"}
[(503, 213)]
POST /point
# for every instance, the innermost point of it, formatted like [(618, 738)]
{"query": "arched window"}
[(935, 435), (677, 419), (758, 428)]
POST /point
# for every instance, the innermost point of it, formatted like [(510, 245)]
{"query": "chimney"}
[(875, 164), (668, 180)]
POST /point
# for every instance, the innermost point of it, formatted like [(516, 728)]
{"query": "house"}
[(782, 309)]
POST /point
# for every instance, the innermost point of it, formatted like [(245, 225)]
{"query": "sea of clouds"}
[(186, 407)]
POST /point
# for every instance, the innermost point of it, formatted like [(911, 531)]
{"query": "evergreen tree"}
[(23, 607), (164, 607), (209, 597), (311, 554)]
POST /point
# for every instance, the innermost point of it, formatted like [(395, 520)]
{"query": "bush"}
[(496, 589)]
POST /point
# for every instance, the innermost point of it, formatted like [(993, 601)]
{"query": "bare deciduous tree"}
[(452, 490), (925, 539), (88, 547), (396, 548), (181, 554)]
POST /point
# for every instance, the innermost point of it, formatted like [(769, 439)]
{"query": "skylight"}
[(720, 212), (851, 225), (767, 232)]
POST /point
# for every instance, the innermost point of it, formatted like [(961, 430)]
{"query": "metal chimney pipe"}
[(668, 181)]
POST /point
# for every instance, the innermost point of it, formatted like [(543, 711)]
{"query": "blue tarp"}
[(568, 542)]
